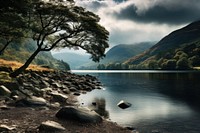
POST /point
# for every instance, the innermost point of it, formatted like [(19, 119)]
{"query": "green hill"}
[(21, 51), (178, 50)]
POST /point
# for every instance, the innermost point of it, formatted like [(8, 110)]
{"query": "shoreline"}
[(44, 93)]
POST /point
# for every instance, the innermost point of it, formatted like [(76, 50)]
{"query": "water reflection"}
[(159, 101), (99, 106)]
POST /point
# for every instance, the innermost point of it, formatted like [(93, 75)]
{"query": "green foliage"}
[(153, 64), (52, 25), (183, 63)]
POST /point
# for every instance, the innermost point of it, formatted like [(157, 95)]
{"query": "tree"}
[(58, 24), (183, 63), (153, 64), (12, 24)]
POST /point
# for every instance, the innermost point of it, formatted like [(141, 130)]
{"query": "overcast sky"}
[(130, 21)]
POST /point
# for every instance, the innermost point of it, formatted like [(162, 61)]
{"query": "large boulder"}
[(4, 91), (123, 105), (51, 126), (79, 114)]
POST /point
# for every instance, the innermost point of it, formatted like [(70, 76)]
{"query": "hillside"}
[(74, 60), (117, 55), (180, 45), (122, 52), (20, 51)]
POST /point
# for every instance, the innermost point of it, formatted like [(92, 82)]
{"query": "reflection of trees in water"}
[(99, 106)]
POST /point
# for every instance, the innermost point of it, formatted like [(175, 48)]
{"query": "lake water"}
[(164, 102)]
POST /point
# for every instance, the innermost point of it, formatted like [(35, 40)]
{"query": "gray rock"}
[(57, 85), (33, 101), (79, 114), (73, 89), (59, 97), (122, 104), (76, 94), (5, 128), (4, 91), (51, 126)]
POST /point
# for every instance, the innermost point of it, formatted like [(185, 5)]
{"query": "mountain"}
[(20, 51), (74, 60), (172, 48), (122, 52)]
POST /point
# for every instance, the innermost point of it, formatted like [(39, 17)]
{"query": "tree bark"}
[(4, 47), (27, 63)]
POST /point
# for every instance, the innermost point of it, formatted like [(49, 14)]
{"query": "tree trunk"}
[(4, 47), (27, 63)]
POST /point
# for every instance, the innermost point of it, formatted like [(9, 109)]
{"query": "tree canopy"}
[(57, 24)]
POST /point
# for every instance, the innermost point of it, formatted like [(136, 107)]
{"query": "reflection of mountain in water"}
[(99, 106)]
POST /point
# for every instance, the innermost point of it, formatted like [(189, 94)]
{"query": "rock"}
[(66, 91), (122, 104), (33, 101), (4, 107), (73, 89), (131, 128), (50, 126), (6, 69), (94, 103), (55, 105), (79, 114), (58, 97), (4, 91), (47, 90), (57, 85), (44, 84), (5, 128), (76, 94)]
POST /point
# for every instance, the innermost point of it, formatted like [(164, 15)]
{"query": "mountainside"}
[(74, 60), (183, 42), (21, 51), (122, 52)]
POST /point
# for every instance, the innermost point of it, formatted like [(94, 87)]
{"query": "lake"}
[(163, 101)]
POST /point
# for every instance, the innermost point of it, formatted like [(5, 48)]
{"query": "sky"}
[(132, 21)]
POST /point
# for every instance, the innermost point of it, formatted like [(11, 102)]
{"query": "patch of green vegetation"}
[(22, 51)]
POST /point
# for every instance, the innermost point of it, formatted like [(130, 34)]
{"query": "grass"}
[(4, 76), (14, 65)]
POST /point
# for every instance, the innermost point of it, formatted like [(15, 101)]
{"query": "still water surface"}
[(164, 102)]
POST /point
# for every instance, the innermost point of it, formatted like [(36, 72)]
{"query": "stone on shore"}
[(123, 105), (79, 114), (33, 101), (50, 126), (5, 128), (58, 97), (4, 91)]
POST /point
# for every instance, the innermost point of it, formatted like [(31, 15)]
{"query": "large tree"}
[(58, 24)]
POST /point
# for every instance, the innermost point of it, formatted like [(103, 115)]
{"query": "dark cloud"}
[(119, 1), (160, 14)]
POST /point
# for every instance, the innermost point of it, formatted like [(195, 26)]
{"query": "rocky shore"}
[(46, 102)]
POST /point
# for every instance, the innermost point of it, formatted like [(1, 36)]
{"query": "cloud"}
[(160, 11), (130, 21)]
